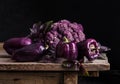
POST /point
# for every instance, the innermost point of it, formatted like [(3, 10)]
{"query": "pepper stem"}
[(65, 40), (46, 46)]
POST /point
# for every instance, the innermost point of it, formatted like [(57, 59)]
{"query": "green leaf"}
[(47, 26)]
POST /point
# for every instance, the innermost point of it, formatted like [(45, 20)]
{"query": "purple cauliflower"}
[(72, 31), (51, 33)]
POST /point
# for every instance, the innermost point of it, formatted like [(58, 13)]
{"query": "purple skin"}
[(31, 52), (67, 51), (16, 43)]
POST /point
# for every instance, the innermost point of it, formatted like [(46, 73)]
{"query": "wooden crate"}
[(44, 73)]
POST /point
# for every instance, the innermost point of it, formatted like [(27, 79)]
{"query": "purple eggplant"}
[(16, 43), (67, 50), (89, 48), (31, 52)]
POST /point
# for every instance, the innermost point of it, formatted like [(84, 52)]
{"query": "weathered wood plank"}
[(94, 73), (39, 73), (2, 51), (4, 81), (70, 78), (1, 45), (96, 66), (7, 64), (32, 66), (30, 78)]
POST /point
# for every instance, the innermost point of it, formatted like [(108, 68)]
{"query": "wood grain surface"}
[(7, 64), (12, 72)]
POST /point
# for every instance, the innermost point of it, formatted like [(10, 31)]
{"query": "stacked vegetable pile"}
[(52, 40)]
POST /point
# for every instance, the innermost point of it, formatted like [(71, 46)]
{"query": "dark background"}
[(100, 19)]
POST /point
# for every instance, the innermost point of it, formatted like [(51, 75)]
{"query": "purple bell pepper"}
[(67, 50)]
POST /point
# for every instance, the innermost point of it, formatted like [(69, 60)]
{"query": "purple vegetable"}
[(38, 31), (71, 31), (67, 50), (16, 43), (31, 52), (88, 48), (51, 33)]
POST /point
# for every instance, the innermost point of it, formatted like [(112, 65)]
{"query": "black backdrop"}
[(100, 19)]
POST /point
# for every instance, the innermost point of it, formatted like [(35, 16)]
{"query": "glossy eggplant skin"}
[(88, 48), (29, 53), (12, 44), (67, 50)]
